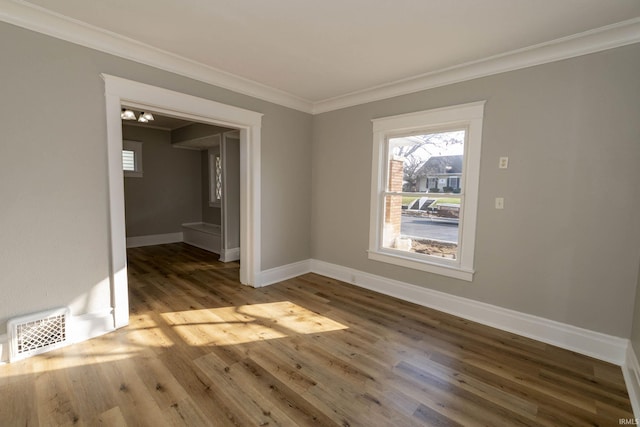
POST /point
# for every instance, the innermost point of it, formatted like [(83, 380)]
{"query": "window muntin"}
[(457, 185)]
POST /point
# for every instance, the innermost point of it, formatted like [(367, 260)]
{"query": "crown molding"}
[(596, 40), (35, 18), (41, 20)]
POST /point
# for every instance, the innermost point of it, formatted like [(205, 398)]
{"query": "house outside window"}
[(425, 187), (443, 172)]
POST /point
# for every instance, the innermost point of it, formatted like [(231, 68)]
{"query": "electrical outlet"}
[(504, 163), (499, 202)]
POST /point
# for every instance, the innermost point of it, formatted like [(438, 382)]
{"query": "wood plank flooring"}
[(203, 350)]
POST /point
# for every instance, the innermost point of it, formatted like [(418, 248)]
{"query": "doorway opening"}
[(119, 92), (181, 183)]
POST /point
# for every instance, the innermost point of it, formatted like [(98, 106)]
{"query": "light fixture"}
[(127, 115), (147, 116)]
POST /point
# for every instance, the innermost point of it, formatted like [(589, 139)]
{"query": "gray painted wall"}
[(209, 214), (169, 192), (53, 172), (567, 244), (195, 130)]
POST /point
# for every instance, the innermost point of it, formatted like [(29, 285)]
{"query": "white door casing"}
[(122, 92)]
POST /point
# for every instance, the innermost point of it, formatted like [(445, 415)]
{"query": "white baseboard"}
[(228, 255), (278, 274), (203, 235), (154, 239), (90, 325), (631, 371), (595, 344)]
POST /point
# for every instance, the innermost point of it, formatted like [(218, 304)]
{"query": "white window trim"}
[(465, 115), (136, 147)]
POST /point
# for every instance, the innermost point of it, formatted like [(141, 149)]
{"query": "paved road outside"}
[(425, 227)]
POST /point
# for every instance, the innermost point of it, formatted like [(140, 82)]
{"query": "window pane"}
[(429, 165), (218, 178), (424, 225), (128, 160), (424, 163)]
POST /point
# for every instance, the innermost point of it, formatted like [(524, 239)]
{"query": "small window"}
[(215, 178), (128, 160), (218, 173), (425, 188), (132, 158)]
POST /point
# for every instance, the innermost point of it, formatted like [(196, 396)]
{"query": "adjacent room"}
[(353, 214), (176, 172)]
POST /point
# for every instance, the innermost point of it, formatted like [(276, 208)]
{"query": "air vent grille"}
[(37, 333)]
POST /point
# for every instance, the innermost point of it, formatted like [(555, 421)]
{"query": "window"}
[(132, 158), (218, 174), (215, 177), (433, 228), (454, 182)]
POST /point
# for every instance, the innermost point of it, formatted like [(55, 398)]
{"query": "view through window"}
[(424, 194)]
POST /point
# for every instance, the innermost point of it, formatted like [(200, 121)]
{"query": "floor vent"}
[(37, 333)]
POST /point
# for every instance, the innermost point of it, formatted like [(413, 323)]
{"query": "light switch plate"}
[(504, 163), (499, 202)]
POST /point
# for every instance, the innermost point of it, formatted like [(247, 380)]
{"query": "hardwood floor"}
[(202, 350)]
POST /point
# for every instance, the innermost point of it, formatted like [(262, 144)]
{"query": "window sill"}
[(441, 269), (131, 174), (215, 204)]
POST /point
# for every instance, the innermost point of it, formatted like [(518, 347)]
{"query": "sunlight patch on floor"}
[(214, 326), (142, 334), (248, 323)]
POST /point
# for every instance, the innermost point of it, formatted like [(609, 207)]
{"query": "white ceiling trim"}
[(62, 27), (599, 39), (59, 26)]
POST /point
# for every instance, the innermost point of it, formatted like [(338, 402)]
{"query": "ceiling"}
[(317, 51)]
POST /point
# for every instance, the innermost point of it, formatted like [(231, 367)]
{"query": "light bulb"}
[(127, 115)]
